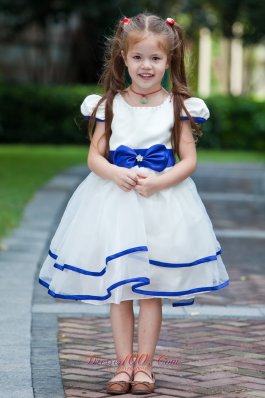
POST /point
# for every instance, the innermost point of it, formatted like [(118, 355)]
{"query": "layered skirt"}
[(112, 245)]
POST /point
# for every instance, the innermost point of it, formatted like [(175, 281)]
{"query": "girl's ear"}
[(123, 56)]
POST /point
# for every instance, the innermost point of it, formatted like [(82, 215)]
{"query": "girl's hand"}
[(147, 184), (125, 178)]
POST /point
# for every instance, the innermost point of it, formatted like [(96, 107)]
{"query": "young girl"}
[(136, 227)]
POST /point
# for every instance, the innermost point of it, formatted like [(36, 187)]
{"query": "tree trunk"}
[(86, 52)]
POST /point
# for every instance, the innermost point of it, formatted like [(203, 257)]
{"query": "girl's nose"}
[(146, 63)]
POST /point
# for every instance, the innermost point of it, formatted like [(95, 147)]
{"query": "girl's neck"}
[(145, 91), (145, 97), (153, 99)]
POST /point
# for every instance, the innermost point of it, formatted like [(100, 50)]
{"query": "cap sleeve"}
[(89, 104), (197, 109)]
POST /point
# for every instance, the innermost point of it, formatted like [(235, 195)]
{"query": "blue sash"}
[(156, 157)]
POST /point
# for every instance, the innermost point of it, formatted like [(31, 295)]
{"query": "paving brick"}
[(95, 378), (209, 362), (245, 354), (80, 371), (89, 386), (219, 382), (250, 372), (175, 393), (74, 392), (257, 394), (259, 369), (215, 375), (228, 395), (254, 386), (255, 361), (254, 380)]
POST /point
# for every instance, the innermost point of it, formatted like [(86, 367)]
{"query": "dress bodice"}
[(143, 126)]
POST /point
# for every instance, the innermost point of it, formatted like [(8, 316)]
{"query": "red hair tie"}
[(170, 21), (126, 20)]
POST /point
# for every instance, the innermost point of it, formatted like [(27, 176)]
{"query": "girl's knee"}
[(150, 301)]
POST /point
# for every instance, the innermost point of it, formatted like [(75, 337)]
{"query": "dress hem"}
[(143, 281), (131, 250)]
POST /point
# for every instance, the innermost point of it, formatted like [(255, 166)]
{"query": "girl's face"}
[(146, 62)]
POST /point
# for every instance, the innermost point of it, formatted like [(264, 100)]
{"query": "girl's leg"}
[(149, 325), (122, 322)]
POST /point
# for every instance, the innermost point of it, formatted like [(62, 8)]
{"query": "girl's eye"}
[(138, 57)]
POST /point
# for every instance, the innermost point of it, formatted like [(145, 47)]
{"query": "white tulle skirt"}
[(113, 245)]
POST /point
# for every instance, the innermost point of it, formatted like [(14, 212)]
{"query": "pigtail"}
[(180, 90), (112, 79)]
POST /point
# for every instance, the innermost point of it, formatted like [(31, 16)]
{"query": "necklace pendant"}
[(144, 100)]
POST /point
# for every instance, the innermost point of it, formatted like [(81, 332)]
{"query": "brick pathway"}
[(223, 358)]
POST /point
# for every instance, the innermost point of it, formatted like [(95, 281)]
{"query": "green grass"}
[(25, 168)]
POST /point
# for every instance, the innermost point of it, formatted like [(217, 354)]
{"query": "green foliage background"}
[(41, 114)]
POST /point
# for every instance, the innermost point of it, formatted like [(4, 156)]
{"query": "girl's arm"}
[(188, 160), (96, 160), (126, 179)]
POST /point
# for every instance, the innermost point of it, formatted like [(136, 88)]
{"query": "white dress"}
[(113, 245)]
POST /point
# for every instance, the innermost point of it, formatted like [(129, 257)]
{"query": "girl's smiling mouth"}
[(145, 75)]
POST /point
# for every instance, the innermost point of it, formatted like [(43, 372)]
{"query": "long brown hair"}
[(113, 75)]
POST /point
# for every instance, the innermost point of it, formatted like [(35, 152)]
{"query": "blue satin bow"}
[(156, 157)]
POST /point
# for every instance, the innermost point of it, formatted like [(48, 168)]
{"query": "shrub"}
[(234, 123), (43, 114), (51, 115)]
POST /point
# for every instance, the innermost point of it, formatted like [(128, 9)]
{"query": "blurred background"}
[(51, 54)]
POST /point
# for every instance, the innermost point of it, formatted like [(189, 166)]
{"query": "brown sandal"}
[(119, 387), (143, 387)]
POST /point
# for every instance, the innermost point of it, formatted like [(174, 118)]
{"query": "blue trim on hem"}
[(79, 270), (178, 265), (184, 292), (131, 250), (43, 283), (53, 255), (93, 273), (180, 304), (127, 251), (144, 281)]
